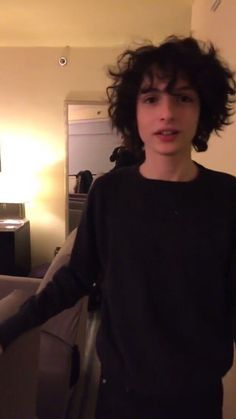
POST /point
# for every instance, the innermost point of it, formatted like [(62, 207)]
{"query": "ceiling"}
[(89, 23)]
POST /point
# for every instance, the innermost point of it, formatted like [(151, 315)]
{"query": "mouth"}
[(167, 134)]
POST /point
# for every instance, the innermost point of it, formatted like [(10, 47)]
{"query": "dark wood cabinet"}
[(15, 254)]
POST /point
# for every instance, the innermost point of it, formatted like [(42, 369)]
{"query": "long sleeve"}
[(232, 273), (231, 292), (61, 293), (68, 285)]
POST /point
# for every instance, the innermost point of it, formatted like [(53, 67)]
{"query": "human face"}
[(167, 121)]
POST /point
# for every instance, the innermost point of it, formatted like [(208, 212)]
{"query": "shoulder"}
[(113, 186), (111, 190), (217, 178), (115, 178)]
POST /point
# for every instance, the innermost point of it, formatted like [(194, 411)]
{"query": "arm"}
[(231, 283), (68, 285), (231, 295)]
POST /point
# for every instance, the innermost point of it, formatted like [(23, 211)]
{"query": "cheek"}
[(196, 124), (194, 120), (142, 129), (197, 114), (141, 122)]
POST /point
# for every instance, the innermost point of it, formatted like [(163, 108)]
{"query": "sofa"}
[(41, 373)]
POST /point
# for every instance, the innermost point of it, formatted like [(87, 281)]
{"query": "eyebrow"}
[(150, 89)]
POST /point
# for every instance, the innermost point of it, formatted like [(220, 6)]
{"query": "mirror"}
[(90, 144)]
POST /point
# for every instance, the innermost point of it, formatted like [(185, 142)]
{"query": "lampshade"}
[(14, 189), (12, 211)]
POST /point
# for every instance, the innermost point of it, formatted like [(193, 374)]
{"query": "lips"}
[(167, 132), (167, 135)]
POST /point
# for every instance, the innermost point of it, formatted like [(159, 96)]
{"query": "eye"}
[(150, 99), (184, 98)]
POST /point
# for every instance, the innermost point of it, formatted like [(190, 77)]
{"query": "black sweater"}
[(164, 256)]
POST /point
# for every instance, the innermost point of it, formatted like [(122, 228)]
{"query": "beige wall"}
[(33, 89), (91, 23), (220, 28)]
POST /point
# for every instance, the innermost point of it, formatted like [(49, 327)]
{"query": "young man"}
[(159, 239)]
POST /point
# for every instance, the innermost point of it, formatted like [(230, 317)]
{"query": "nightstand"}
[(15, 255)]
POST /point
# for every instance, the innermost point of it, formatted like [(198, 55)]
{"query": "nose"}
[(167, 108)]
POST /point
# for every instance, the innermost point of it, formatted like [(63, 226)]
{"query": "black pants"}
[(115, 402)]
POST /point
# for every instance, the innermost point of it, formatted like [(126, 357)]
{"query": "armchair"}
[(18, 367), (54, 364)]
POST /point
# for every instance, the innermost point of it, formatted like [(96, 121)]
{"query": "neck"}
[(170, 168)]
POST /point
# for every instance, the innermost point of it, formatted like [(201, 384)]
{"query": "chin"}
[(168, 152), (172, 150)]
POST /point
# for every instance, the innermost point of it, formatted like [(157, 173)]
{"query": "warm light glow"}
[(10, 221), (27, 158), (11, 227), (33, 163)]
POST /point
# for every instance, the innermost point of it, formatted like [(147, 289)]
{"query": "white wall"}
[(33, 91), (218, 27), (91, 143)]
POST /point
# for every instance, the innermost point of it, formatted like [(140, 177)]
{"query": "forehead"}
[(156, 78), (164, 82)]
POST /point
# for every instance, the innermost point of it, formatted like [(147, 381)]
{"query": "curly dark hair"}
[(202, 66)]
